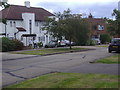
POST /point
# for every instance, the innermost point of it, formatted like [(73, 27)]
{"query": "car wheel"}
[(109, 51), (46, 46)]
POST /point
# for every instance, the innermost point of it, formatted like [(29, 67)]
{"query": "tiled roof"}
[(14, 12)]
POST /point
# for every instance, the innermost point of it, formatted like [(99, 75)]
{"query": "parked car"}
[(114, 45), (61, 43), (51, 44), (97, 41), (68, 43)]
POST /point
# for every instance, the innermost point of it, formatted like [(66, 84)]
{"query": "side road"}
[(10, 56), (25, 68)]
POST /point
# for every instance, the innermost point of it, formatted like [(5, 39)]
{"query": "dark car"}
[(51, 44), (114, 45)]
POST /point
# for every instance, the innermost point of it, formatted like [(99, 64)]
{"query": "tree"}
[(82, 32), (70, 26), (114, 25), (4, 4), (105, 38)]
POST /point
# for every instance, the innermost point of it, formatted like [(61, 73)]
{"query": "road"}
[(19, 69)]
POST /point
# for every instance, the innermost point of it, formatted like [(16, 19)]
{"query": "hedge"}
[(10, 45)]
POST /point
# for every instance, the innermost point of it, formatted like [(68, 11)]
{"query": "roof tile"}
[(14, 12)]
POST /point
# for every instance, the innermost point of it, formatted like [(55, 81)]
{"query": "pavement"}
[(18, 67), (10, 56)]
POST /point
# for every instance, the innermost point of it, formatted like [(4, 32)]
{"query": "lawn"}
[(102, 46), (70, 80), (49, 51), (110, 60)]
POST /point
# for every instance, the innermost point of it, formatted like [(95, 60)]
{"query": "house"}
[(25, 23), (98, 26)]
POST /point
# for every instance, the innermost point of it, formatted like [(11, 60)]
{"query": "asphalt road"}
[(22, 67)]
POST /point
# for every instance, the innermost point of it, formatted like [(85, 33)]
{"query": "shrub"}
[(105, 38), (7, 44), (10, 45), (40, 44), (18, 44), (90, 42)]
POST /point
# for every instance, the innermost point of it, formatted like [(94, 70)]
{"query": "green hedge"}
[(18, 45), (90, 43), (105, 38), (10, 45)]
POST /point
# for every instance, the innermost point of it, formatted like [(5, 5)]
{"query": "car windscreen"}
[(116, 41)]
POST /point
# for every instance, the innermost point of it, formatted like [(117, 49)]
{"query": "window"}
[(11, 38), (10, 23), (14, 24), (100, 27), (94, 27), (36, 24), (30, 26), (21, 38), (39, 39), (40, 30), (43, 38), (50, 38)]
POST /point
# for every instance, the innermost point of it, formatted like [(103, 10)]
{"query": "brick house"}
[(98, 26)]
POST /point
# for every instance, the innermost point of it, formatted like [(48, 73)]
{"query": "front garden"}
[(70, 80)]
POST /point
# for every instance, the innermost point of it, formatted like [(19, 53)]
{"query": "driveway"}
[(19, 69)]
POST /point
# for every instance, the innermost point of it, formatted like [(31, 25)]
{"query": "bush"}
[(91, 42), (18, 44), (6, 44), (10, 45), (40, 44), (105, 38)]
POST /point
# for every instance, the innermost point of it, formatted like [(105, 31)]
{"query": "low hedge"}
[(18, 45), (10, 45)]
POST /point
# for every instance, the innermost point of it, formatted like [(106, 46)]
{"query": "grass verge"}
[(102, 46), (110, 60), (49, 51), (70, 80)]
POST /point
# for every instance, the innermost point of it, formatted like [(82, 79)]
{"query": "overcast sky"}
[(98, 8)]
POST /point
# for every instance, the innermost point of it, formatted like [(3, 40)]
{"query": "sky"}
[(98, 8)]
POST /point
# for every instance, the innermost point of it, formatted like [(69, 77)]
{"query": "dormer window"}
[(10, 23), (100, 27)]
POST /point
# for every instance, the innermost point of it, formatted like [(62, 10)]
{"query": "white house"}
[(25, 23)]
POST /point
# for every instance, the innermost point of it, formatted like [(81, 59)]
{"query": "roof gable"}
[(15, 12)]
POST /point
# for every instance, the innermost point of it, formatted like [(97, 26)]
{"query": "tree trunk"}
[(70, 43)]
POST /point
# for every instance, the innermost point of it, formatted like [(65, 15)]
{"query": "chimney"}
[(90, 15), (27, 4)]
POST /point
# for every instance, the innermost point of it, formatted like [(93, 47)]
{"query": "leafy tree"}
[(4, 4), (105, 38), (70, 26), (114, 25)]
